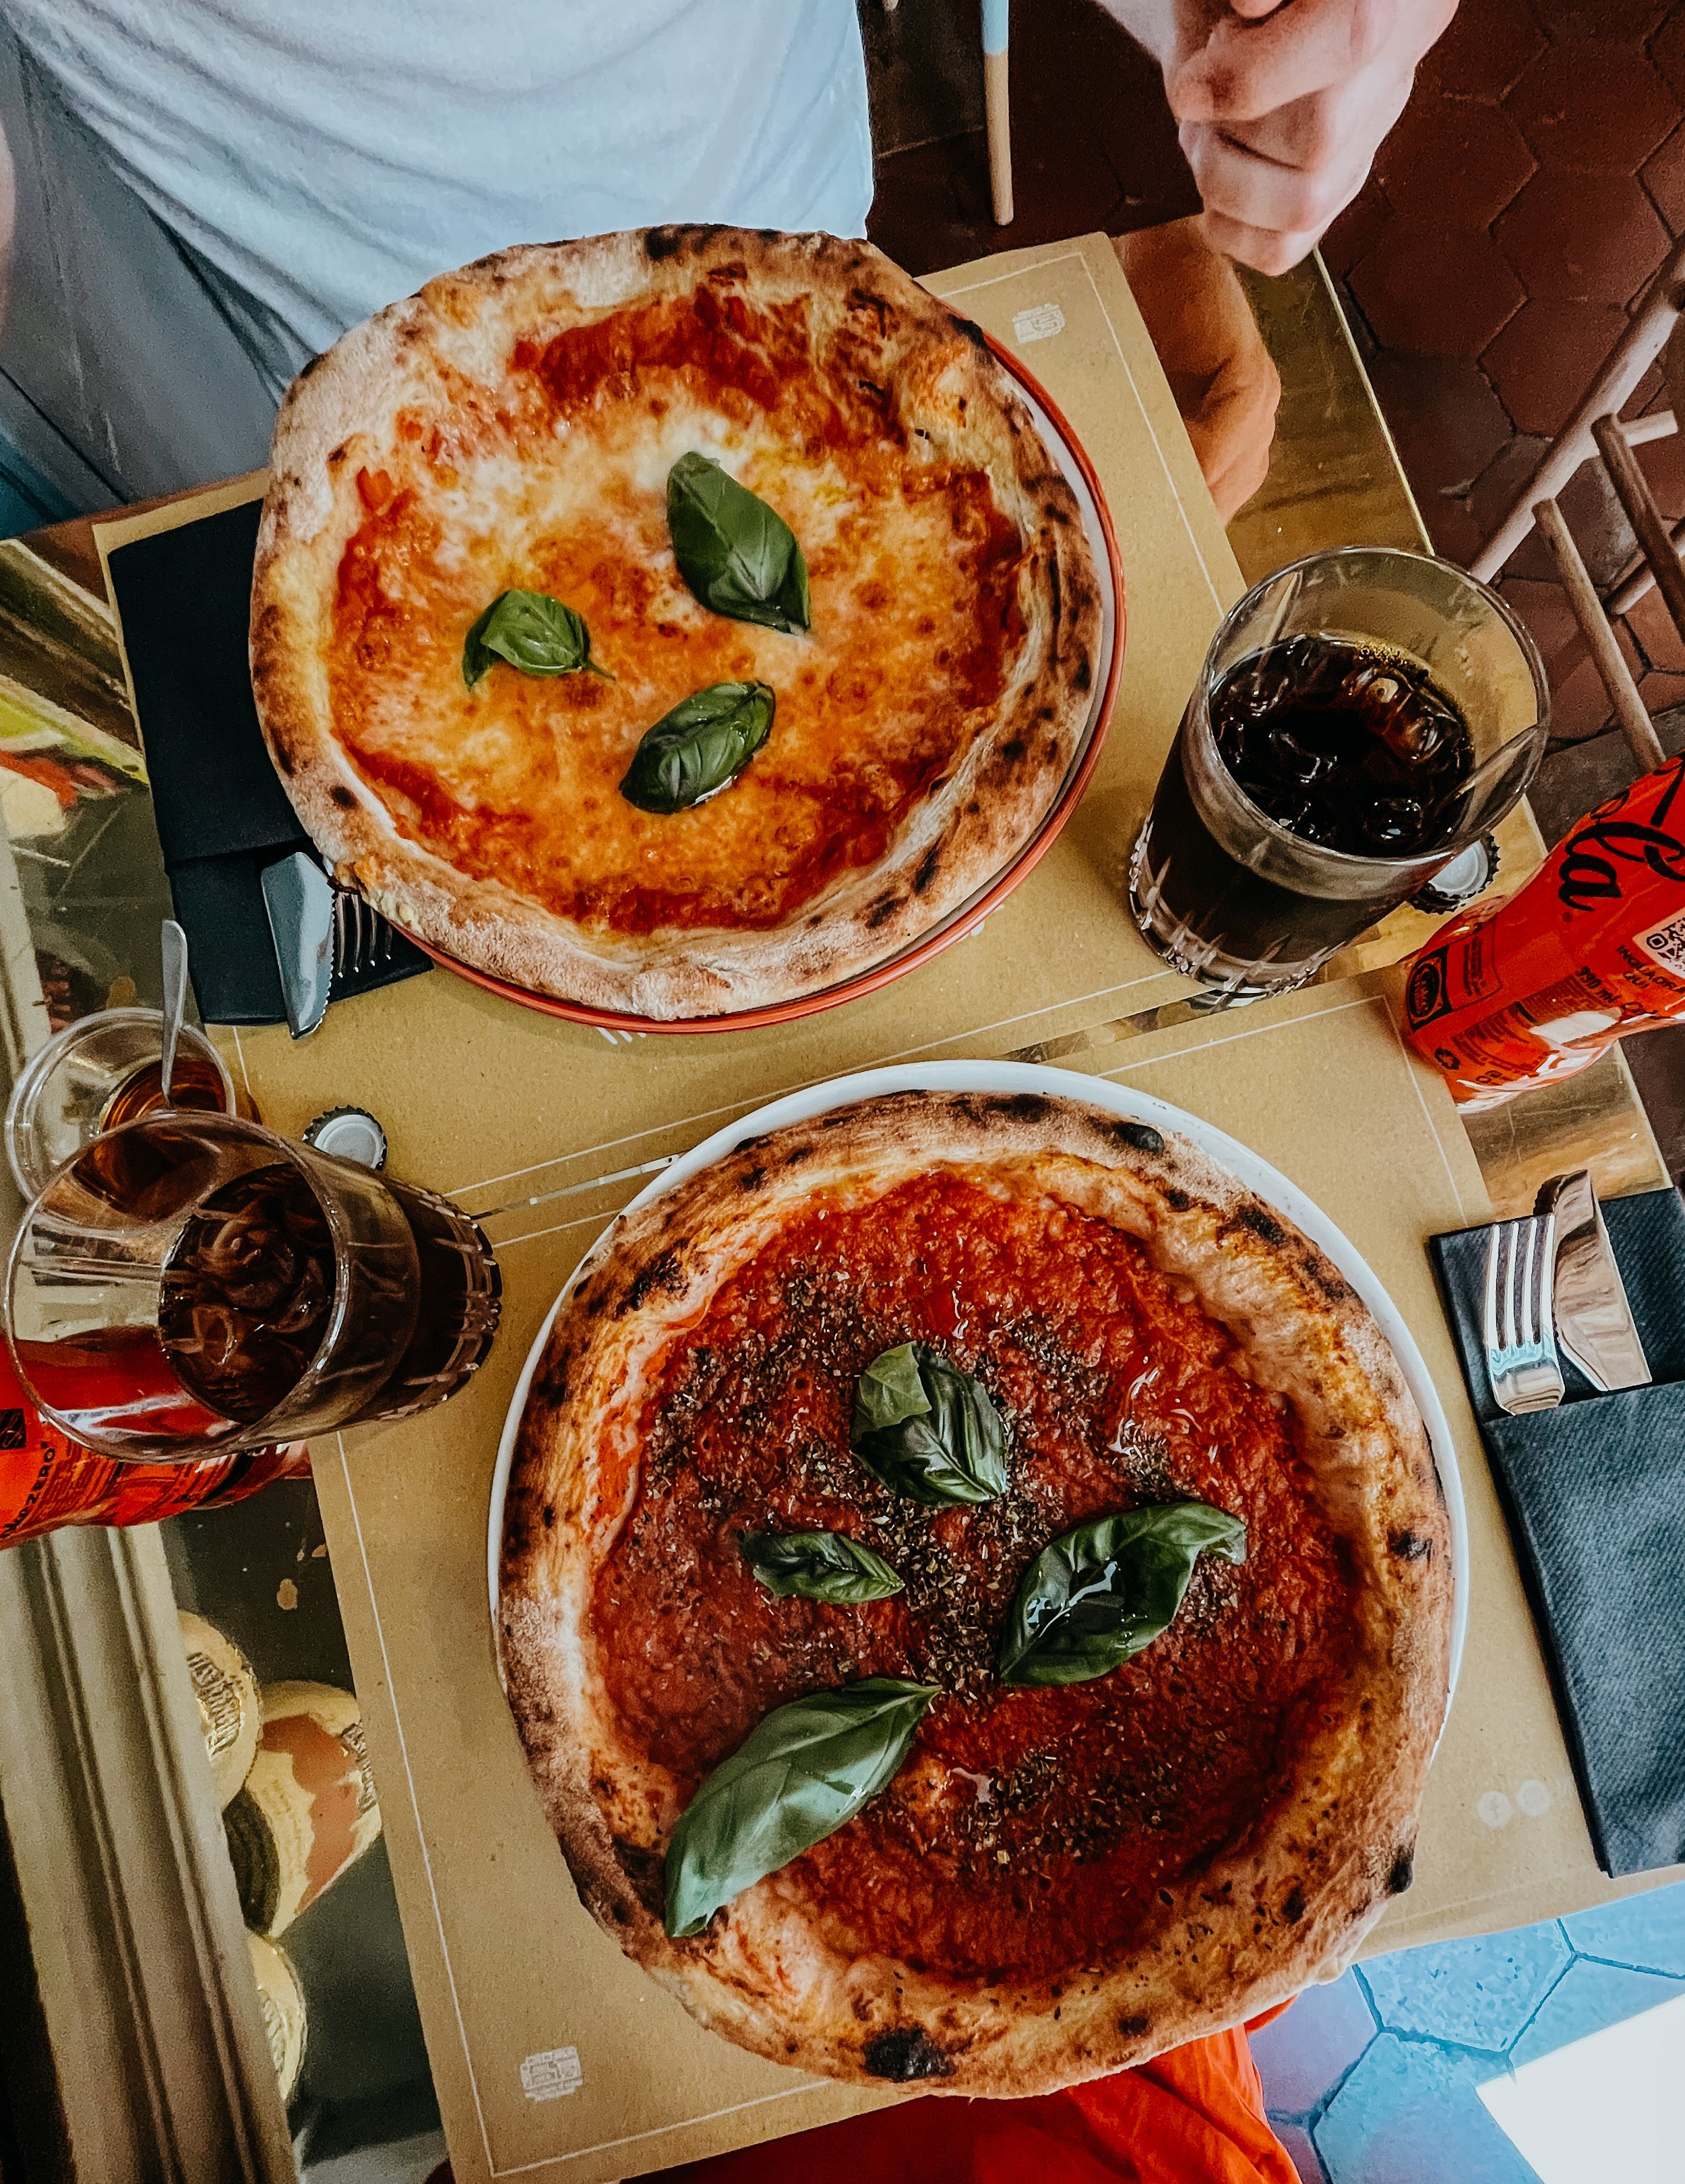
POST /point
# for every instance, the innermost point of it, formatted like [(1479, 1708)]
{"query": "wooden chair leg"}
[(997, 106), (1635, 722), (1649, 526)]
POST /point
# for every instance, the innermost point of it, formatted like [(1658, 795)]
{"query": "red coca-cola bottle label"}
[(1593, 946), (47, 1480)]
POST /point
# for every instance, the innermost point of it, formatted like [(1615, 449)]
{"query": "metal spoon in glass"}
[(173, 948)]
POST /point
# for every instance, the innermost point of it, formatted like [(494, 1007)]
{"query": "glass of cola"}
[(1362, 719), (193, 1284)]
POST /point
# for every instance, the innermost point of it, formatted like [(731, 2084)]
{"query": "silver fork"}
[(1517, 1323), (361, 938)]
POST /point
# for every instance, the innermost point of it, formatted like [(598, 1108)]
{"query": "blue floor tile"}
[(1409, 2114), (1304, 2055), (1400, 2105), (1479, 1992), (1586, 1998), (1646, 1930)]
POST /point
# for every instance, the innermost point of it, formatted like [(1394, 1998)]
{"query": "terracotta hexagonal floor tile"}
[(1435, 290), (1631, 21), (1658, 641), (1454, 534), (1484, 51), (1358, 229), (1452, 163), (1667, 51), (1582, 239), (1445, 419), (1663, 174), (1649, 394), (1663, 464), (1579, 705), (1659, 691), (1498, 485), (1546, 357), (1590, 107), (1545, 610), (1594, 514)]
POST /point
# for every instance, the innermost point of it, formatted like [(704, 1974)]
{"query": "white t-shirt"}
[(323, 157)]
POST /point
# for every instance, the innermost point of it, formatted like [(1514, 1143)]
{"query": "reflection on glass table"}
[(257, 1575), (82, 891)]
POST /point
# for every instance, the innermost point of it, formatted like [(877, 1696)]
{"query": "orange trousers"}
[(1193, 2116)]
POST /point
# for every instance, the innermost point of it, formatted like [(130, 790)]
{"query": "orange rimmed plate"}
[(1072, 459)]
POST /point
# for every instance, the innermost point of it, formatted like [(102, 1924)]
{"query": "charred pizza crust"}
[(1287, 1904), (949, 397)]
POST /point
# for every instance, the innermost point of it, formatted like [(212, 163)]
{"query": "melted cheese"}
[(914, 633)]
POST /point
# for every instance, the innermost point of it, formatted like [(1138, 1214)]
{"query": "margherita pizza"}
[(674, 622), (976, 1594)]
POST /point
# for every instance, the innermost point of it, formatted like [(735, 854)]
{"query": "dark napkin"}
[(1594, 1493), (183, 597)]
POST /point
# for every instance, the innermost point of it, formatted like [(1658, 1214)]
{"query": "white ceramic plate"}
[(1270, 1184)]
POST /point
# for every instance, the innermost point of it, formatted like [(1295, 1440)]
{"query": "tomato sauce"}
[(1028, 1831), (518, 783)]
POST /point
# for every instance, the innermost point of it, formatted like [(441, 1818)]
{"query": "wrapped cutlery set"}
[(1572, 1344), (1554, 1291)]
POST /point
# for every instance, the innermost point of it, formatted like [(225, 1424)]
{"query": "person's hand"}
[(1213, 356), (1281, 105)]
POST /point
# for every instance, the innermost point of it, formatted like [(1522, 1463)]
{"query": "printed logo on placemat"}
[(1039, 323), (554, 2071)]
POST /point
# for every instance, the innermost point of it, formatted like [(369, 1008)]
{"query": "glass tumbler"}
[(192, 1284), (103, 1071), (1228, 895)]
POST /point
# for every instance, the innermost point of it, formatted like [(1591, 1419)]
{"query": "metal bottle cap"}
[(1468, 874), (349, 1133)]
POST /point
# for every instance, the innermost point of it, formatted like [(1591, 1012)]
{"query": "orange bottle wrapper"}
[(1592, 947), (47, 1479)]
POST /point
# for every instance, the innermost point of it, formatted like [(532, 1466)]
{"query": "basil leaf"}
[(1104, 1592), (703, 744), (819, 1566), (928, 1431), (794, 1779), (532, 632), (737, 555)]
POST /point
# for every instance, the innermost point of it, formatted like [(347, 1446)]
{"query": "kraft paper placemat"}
[(553, 2056)]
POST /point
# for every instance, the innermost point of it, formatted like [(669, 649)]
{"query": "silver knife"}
[(298, 896), (1593, 1319)]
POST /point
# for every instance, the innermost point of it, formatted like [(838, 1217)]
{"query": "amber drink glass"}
[(192, 1284), (99, 1072)]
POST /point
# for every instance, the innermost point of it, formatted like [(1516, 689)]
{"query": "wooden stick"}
[(1630, 358), (1636, 578), (1649, 526), (1617, 677), (1639, 431), (998, 107)]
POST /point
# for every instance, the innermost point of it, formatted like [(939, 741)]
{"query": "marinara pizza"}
[(975, 1594), (674, 623)]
